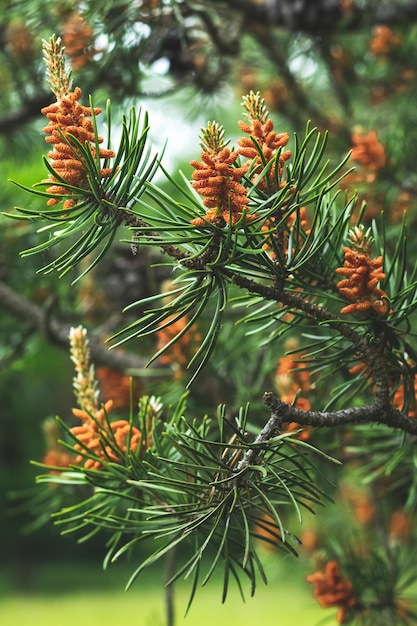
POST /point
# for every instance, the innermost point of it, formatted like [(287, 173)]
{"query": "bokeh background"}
[(348, 66)]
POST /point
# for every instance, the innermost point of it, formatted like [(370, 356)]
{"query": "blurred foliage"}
[(348, 67)]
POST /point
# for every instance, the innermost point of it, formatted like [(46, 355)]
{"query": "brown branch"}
[(57, 331), (318, 314), (186, 259), (29, 110), (380, 411), (283, 413), (370, 352), (301, 102), (321, 315), (312, 17), (321, 17), (373, 413)]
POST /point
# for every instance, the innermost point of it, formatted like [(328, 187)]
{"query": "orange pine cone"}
[(267, 531), (269, 141), (360, 286), (290, 381), (368, 150), (57, 458), (180, 352), (383, 40), (68, 117), (92, 434), (78, 39), (330, 589), (218, 181)]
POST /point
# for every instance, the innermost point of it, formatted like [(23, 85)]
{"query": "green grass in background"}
[(85, 596)]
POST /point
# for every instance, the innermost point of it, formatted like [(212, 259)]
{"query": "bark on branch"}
[(29, 110), (365, 414), (56, 331), (321, 17), (283, 413)]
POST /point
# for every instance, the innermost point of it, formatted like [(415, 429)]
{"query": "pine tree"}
[(280, 327)]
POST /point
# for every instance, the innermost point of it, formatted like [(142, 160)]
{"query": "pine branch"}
[(319, 315), (324, 16), (283, 413), (373, 413), (305, 106), (380, 411), (56, 331), (14, 120)]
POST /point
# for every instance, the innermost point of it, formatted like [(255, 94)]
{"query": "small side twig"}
[(57, 331), (169, 587), (365, 414)]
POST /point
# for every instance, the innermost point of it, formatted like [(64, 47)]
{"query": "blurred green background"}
[(186, 63)]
